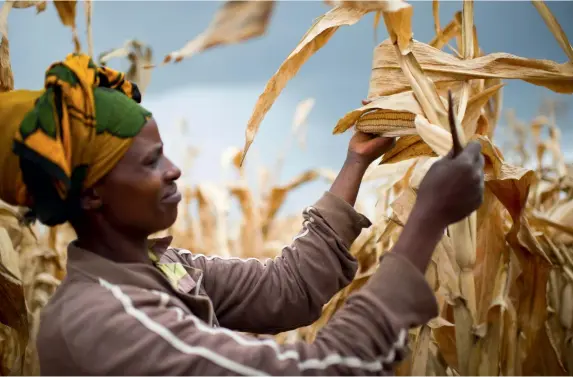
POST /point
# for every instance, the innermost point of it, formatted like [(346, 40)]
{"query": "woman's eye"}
[(152, 161)]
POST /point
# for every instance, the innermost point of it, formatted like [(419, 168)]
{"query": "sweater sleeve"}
[(290, 290)]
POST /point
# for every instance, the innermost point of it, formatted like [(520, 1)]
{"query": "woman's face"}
[(139, 195)]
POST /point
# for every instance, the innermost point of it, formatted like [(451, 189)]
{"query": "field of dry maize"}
[(503, 276)]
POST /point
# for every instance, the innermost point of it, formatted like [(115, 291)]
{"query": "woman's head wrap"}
[(58, 141)]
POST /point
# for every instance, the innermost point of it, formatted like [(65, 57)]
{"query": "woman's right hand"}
[(453, 187)]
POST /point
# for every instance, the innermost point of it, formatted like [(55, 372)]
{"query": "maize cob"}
[(387, 123)]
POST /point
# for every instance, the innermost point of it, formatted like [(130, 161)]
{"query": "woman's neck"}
[(114, 244)]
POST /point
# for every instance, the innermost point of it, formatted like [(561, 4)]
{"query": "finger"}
[(472, 151), (382, 143), (364, 136), (481, 161)]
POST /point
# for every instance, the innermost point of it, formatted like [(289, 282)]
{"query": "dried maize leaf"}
[(403, 205), (278, 196), (41, 6), (447, 271), (467, 51), (540, 219), (493, 108), (67, 13), (452, 30), (377, 18), (555, 28), (485, 359), (300, 116), (436, 15), (139, 56), (251, 237), (407, 147), (20, 4), (208, 217), (419, 172), (491, 247), (464, 320), (439, 67), (424, 89), (528, 291), (445, 337), (421, 350), (566, 310), (371, 5), (6, 75), (474, 109), (563, 214), (544, 361), (315, 38), (13, 312), (235, 22), (88, 8), (399, 26), (389, 174)]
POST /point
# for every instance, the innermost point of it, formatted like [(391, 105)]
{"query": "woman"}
[(84, 151)]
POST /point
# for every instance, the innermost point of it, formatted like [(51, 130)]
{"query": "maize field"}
[(503, 277)]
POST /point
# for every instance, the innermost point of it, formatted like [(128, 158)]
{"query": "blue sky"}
[(216, 90)]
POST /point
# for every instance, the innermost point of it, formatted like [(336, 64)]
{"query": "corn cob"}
[(387, 123)]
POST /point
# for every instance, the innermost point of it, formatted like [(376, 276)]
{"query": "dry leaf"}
[(452, 30), (399, 26), (301, 114), (235, 22), (407, 147), (6, 75), (316, 37), (67, 12), (371, 5), (441, 67), (139, 55), (88, 7), (555, 28)]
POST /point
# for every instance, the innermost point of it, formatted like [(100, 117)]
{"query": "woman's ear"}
[(91, 200)]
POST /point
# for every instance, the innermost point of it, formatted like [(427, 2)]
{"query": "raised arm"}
[(367, 336), (290, 290)]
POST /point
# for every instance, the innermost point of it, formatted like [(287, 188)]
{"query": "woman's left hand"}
[(365, 148)]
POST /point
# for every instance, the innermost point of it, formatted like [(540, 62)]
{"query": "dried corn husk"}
[(67, 13), (441, 67), (235, 22), (6, 75), (139, 55), (316, 37)]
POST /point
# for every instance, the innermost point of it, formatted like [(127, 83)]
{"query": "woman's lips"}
[(172, 196)]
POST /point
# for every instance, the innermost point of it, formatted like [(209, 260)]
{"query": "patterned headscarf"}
[(58, 141)]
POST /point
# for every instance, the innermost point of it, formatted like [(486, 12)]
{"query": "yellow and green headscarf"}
[(58, 141)]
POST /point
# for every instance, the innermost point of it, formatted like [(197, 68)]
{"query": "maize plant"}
[(503, 277)]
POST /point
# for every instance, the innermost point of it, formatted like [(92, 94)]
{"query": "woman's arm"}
[(290, 290)]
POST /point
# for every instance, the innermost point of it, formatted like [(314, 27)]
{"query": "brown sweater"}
[(181, 317)]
